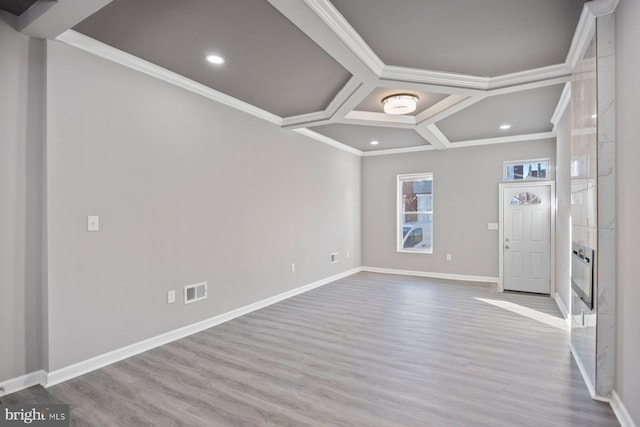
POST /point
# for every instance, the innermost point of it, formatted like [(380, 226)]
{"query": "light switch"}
[(492, 226), (171, 297), (93, 223)]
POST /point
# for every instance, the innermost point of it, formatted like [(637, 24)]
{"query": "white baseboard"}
[(621, 411), (81, 368), (563, 308), (20, 383), (583, 371), (463, 277)]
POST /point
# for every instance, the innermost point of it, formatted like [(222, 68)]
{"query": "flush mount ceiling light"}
[(400, 104), (215, 59), (505, 126), (374, 143)]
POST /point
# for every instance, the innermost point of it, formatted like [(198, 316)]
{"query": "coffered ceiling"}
[(322, 67)]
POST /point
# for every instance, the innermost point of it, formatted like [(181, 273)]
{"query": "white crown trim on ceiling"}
[(563, 103), (464, 90), (339, 25), (329, 141)]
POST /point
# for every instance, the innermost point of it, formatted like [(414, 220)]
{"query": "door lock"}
[(506, 246)]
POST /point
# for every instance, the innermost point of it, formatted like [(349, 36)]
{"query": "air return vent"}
[(196, 292)]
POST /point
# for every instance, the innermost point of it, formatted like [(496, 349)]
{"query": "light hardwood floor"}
[(367, 350)]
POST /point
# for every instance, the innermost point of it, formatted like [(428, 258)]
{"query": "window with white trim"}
[(415, 213), (526, 170)]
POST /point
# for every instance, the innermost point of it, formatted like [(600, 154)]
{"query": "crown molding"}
[(303, 120), (339, 25), (585, 30), (321, 117), (346, 92), (382, 119), (529, 76), (439, 107), (454, 108), (503, 139), (102, 50), (434, 136), (398, 151), (329, 141), (394, 72), (562, 105), (602, 7)]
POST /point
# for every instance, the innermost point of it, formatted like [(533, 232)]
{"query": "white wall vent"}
[(334, 257), (196, 292)]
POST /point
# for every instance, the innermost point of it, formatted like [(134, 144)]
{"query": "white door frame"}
[(531, 183)]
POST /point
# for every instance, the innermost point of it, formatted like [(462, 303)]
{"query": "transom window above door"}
[(526, 170)]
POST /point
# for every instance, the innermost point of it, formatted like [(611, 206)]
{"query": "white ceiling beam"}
[(452, 110), (339, 25), (398, 151), (529, 76), (439, 78), (356, 98), (439, 107), (427, 87), (382, 119), (355, 120), (528, 86), (433, 136), (48, 19), (321, 117), (503, 139)]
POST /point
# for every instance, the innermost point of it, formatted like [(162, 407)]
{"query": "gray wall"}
[(465, 199), (628, 205), (187, 190), (21, 192), (563, 209)]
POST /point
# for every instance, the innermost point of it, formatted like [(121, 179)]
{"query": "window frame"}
[(506, 163), (400, 178)]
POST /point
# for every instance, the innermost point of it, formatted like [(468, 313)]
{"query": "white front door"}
[(527, 238)]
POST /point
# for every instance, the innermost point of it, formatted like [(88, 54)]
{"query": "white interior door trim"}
[(531, 183)]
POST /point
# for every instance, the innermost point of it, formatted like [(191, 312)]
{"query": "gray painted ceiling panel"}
[(360, 137), (484, 38), (527, 112), (270, 63), (373, 102)]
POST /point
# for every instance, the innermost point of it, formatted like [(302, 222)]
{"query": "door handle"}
[(506, 246)]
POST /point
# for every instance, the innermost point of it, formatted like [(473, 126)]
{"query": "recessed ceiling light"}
[(401, 103), (375, 142), (505, 126), (215, 59)]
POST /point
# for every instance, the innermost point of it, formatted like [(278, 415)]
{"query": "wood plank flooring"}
[(367, 350)]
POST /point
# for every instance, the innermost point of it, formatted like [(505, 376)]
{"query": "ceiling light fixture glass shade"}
[(400, 104)]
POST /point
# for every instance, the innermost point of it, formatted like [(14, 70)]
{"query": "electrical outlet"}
[(171, 297), (448, 257), (334, 257), (293, 268), (93, 223)]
